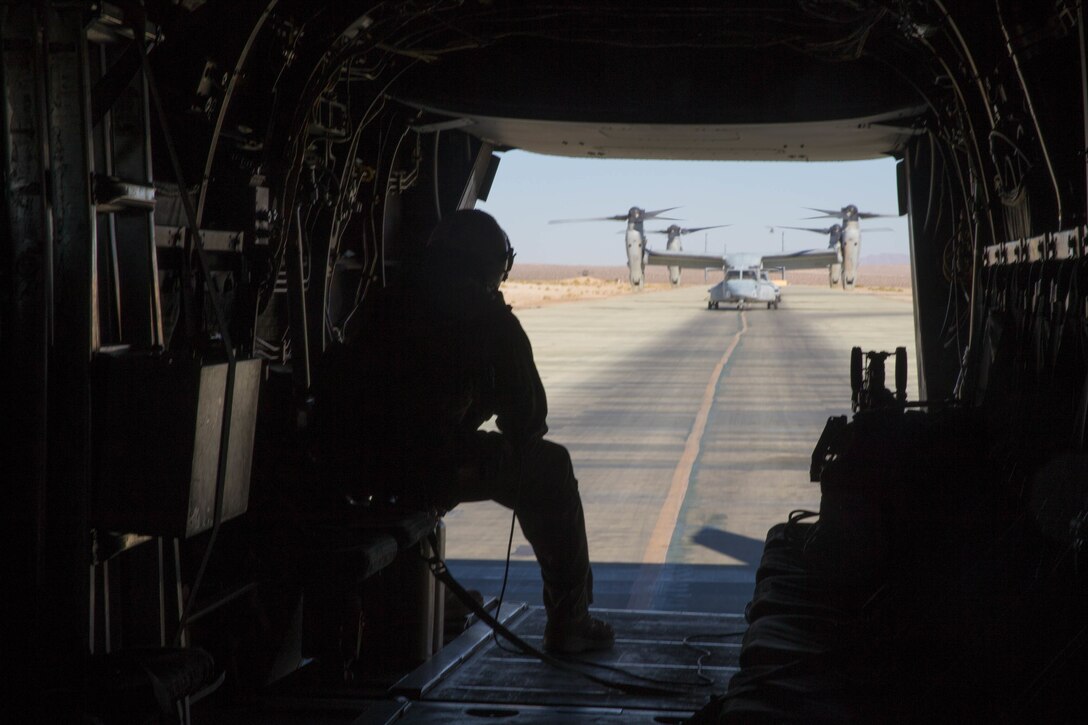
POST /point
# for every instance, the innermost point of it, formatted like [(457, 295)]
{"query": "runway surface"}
[(691, 432)]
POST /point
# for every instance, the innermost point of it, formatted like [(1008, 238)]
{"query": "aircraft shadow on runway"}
[(742, 548)]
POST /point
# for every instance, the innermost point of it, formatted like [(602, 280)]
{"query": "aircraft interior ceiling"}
[(788, 81), (200, 194)]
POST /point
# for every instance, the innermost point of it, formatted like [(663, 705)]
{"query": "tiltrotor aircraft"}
[(849, 239), (834, 242), (636, 238), (675, 231), (745, 280)]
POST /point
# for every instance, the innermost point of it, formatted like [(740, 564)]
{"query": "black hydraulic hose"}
[(434, 173), (970, 61), (1081, 44), (224, 106), (221, 319), (1031, 108)]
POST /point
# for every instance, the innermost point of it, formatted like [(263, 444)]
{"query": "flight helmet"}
[(478, 239)]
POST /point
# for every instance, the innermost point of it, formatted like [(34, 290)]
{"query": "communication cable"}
[(690, 641), (505, 576), (441, 573)]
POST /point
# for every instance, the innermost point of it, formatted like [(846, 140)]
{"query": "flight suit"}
[(437, 357)]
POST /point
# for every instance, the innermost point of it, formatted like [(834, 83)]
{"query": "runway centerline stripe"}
[(657, 548)]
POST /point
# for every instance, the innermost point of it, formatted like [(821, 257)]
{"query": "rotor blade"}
[(817, 230), (654, 214), (870, 215), (617, 218), (692, 230), (656, 231), (825, 212)]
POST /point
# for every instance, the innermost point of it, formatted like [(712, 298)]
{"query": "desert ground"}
[(538, 285)]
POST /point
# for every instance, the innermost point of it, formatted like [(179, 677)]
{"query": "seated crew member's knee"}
[(550, 459), (549, 474)]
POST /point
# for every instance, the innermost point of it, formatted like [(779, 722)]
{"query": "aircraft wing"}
[(807, 259), (686, 260)]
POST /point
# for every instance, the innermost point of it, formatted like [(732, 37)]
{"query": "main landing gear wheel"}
[(772, 305), (856, 370), (901, 373)]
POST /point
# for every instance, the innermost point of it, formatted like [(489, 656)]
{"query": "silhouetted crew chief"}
[(439, 354)]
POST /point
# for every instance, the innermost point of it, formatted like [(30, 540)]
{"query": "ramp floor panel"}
[(694, 653), (434, 713)]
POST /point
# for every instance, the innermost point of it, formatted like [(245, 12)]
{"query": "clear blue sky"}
[(531, 189)]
